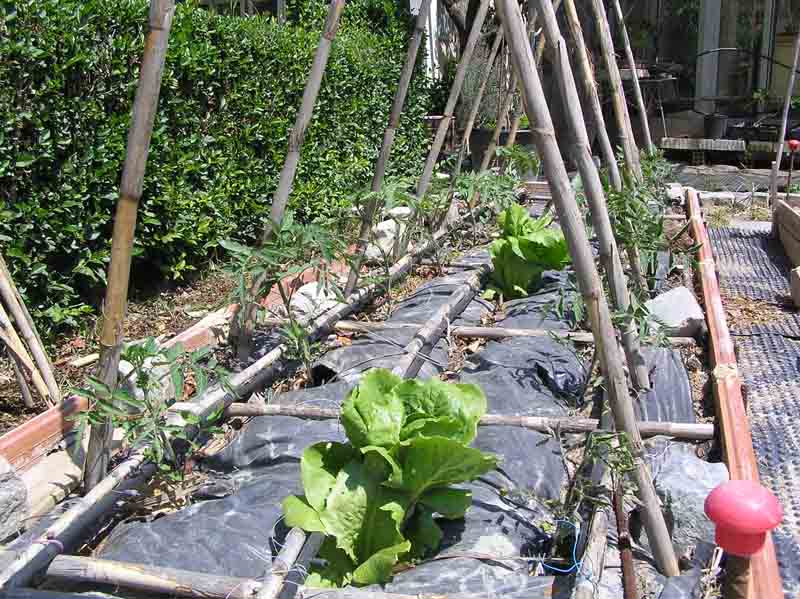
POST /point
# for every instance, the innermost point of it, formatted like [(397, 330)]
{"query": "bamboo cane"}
[(582, 154), (452, 99), (24, 389), (244, 332), (144, 111), (787, 102), (28, 331), (590, 86), (502, 115), (20, 355), (150, 579), (388, 142), (677, 430), (589, 283), (283, 563), (26, 314), (637, 90), (625, 130)]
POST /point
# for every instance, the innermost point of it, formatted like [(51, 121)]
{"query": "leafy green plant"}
[(520, 160), (375, 498), (142, 416), (527, 247)]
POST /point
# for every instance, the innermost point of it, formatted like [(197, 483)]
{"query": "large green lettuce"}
[(526, 248), (376, 497)]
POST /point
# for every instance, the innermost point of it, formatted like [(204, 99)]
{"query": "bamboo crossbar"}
[(543, 424)]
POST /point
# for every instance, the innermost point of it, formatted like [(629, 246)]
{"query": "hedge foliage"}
[(68, 72)]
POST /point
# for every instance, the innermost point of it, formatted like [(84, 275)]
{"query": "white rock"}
[(312, 299), (386, 235), (675, 192), (401, 213), (678, 311)]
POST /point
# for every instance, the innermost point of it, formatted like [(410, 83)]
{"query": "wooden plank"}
[(788, 222), (695, 144)]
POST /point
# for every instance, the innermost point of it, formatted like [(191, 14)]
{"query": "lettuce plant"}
[(525, 250), (375, 498)]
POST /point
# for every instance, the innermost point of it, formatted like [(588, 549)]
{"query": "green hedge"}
[(68, 71)]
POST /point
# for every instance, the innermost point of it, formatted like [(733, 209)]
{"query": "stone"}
[(401, 213), (794, 282), (313, 299), (683, 481), (13, 501), (385, 235), (675, 193), (678, 311)]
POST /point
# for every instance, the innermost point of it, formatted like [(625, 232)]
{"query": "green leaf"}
[(448, 503), (338, 569), (430, 462), (319, 467), (378, 567), (298, 513), (424, 533), (346, 507), (436, 408), (372, 414)]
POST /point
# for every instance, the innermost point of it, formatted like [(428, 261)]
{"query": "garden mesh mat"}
[(753, 273)]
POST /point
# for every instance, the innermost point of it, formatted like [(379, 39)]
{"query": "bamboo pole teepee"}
[(588, 281), (388, 141), (144, 111), (623, 119), (637, 89), (590, 87), (582, 154)]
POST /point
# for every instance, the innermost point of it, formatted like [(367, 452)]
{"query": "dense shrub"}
[(68, 71)]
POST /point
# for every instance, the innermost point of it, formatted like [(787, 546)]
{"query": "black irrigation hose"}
[(761, 56)]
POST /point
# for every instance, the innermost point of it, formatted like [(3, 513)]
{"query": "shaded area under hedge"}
[(68, 73)]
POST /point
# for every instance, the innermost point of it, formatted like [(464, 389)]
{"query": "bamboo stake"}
[(283, 563), (20, 355), (582, 154), (144, 111), (787, 102), (303, 118), (24, 389), (543, 424), (590, 86), (150, 579), (452, 99), (502, 115), (468, 332), (408, 366), (26, 314), (629, 149), (388, 142), (28, 331), (588, 282), (637, 90), (289, 169)]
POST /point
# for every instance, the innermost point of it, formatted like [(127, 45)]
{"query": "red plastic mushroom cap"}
[(743, 512), (794, 145)]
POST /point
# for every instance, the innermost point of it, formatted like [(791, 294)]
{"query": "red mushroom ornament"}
[(794, 145), (744, 512)]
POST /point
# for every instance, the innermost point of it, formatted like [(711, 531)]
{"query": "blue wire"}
[(575, 563)]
